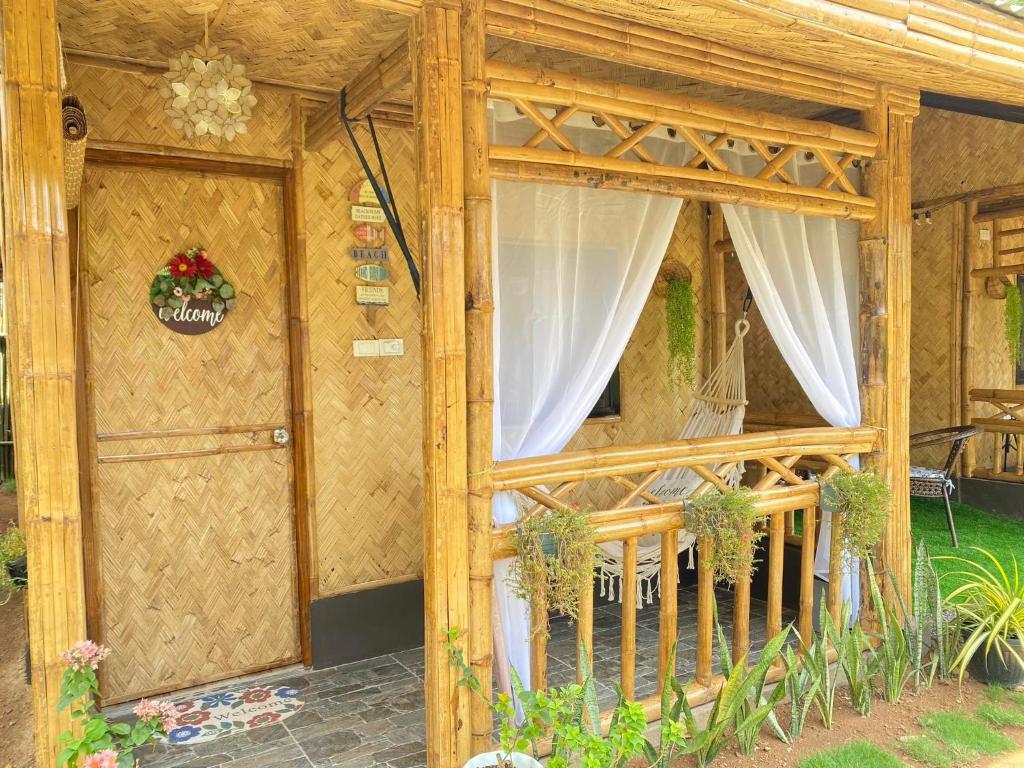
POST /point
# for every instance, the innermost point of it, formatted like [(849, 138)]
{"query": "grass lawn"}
[(1000, 536)]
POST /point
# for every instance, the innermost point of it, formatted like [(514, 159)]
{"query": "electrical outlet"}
[(392, 347)]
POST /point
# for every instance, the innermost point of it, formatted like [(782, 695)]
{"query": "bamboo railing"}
[(549, 99), (1006, 425), (551, 482)]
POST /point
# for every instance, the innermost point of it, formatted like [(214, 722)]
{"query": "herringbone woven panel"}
[(196, 555), (309, 42), (932, 318), (127, 107), (367, 411)]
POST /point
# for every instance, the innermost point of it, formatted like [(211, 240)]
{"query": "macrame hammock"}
[(717, 408)]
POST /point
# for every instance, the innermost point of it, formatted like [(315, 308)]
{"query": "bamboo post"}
[(741, 618), (716, 287), (885, 318), (776, 553), (585, 629), (41, 345), (668, 618), (967, 332), (809, 541), (705, 616), (628, 641), (479, 360), (437, 77)]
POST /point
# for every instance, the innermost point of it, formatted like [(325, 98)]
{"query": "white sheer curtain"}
[(572, 271), (803, 272)]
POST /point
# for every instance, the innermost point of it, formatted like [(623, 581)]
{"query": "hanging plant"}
[(862, 501), (682, 335), (728, 521), (1013, 311), (556, 559)]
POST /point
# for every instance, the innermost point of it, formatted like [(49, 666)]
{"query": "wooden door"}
[(192, 527)]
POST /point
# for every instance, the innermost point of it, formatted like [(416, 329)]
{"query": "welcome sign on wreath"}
[(190, 295)]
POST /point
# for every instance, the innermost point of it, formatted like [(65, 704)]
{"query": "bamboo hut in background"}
[(365, 482)]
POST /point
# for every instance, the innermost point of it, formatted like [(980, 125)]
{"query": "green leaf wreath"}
[(191, 275)]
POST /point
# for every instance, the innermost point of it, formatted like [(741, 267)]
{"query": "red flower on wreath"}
[(182, 266), (264, 718), (204, 267), (193, 718)]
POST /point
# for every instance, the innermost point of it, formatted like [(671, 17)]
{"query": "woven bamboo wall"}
[(954, 153), (367, 417), (189, 549), (127, 107)]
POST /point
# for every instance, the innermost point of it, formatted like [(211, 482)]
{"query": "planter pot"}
[(1007, 672), (494, 760), (18, 571)]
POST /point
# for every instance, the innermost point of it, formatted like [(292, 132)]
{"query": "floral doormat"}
[(222, 713)]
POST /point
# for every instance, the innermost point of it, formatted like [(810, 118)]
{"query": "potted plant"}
[(989, 602), (861, 501), (556, 556), (13, 562), (727, 521)]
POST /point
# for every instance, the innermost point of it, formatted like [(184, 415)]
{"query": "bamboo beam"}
[(716, 289), (557, 25), (479, 359), (614, 460), (368, 90), (41, 339), (692, 184), (437, 76), (885, 322)]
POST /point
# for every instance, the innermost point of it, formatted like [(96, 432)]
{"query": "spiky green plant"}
[(891, 656), (816, 660), (801, 687)]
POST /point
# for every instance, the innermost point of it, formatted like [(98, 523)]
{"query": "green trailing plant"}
[(754, 709), (801, 686), (556, 557), (727, 521), (891, 655), (816, 660), (861, 501), (989, 602), (680, 318), (12, 547), (1013, 310)]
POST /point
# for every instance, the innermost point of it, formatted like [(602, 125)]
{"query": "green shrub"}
[(862, 502), (726, 520)]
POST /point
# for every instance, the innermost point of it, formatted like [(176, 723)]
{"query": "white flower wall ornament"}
[(207, 94)]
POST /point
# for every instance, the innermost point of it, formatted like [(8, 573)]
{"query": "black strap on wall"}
[(748, 301), (385, 197)]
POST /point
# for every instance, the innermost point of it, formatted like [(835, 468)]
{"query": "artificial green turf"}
[(999, 535), (855, 754), (926, 751), (966, 734)]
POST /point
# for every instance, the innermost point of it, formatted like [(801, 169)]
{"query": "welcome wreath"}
[(190, 295)]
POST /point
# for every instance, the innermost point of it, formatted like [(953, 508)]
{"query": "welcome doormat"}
[(222, 713)]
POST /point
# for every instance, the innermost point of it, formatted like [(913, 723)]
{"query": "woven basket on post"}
[(75, 129)]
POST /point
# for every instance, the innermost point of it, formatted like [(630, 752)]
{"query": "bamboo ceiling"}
[(309, 43)]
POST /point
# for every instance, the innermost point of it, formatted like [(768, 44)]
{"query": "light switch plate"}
[(365, 348), (392, 347)]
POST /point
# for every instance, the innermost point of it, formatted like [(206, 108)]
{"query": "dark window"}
[(1020, 363), (608, 404)]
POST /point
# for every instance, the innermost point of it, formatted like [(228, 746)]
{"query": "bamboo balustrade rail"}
[(550, 482), (1005, 424), (550, 98)]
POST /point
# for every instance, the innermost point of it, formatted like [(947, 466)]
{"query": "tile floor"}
[(369, 714)]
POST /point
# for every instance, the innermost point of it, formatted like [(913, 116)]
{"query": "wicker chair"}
[(937, 483)]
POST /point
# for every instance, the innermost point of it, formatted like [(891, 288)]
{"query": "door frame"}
[(289, 174)]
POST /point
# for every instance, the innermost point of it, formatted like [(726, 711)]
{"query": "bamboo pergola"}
[(880, 54)]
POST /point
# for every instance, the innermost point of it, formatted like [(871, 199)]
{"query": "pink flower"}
[(85, 653), (105, 759), (178, 291), (153, 709)]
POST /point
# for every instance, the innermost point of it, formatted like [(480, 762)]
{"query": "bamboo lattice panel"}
[(310, 42), (935, 304), (127, 107), (196, 571), (367, 411)]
